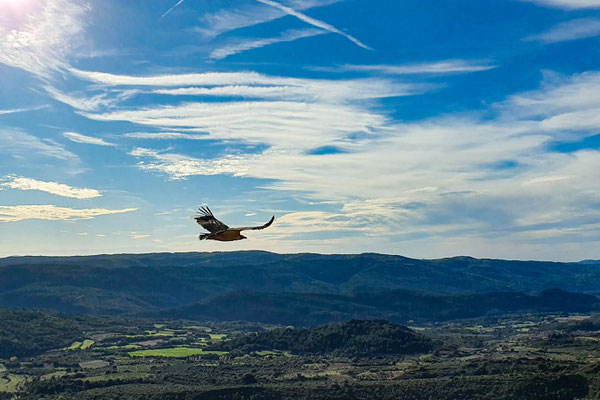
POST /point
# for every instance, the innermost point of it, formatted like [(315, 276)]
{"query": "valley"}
[(529, 356)]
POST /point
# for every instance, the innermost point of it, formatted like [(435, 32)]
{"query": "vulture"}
[(220, 231)]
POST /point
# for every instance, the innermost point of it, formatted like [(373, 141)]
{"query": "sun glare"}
[(12, 12), (15, 4)]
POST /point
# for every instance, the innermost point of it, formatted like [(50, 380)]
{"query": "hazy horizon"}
[(125, 253)]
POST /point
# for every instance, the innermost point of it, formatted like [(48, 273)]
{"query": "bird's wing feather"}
[(255, 228), (209, 222)]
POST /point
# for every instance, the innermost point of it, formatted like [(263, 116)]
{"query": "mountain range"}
[(304, 289)]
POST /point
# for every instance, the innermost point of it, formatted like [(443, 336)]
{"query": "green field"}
[(217, 336), (74, 346), (87, 343), (265, 353), (177, 352), (127, 346), (151, 334), (10, 383)]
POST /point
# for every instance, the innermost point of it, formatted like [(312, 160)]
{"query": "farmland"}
[(178, 352), (511, 357)]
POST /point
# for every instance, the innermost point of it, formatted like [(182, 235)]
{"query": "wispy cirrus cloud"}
[(260, 107), (79, 138), (249, 13), (180, 167), (165, 135), (59, 189), (208, 78), (42, 39), (20, 110), (255, 85), (581, 28), (249, 44), (81, 103), (565, 103), (16, 142), (53, 213), (312, 21), (568, 4), (438, 67), (278, 123), (106, 99), (215, 24), (312, 90)]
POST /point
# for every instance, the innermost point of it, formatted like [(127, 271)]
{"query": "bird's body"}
[(227, 236), (221, 232)]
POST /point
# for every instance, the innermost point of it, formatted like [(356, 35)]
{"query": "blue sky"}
[(422, 128)]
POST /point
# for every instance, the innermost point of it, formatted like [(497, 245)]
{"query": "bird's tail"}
[(203, 236)]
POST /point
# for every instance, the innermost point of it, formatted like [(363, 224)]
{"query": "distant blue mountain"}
[(150, 283)]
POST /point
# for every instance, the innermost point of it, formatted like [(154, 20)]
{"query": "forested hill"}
[(354, 338), (134, 284)]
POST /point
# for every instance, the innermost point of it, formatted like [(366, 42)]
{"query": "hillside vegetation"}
[(398, 306)]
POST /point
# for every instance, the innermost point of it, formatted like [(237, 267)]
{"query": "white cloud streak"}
[(439, 67), (209, 78), (165, 135), (81, 103), (58, 189), (215, 24), (250, 44), (53, 213), (276, 122), (179, 167), (571, 30), (313, 21), (172, 8), (252, 84), (249, 14), (105, 100), (15, 142), (568, 4), (136, 236), (311, 90), (20, 110), (568, 104), (79, 138)]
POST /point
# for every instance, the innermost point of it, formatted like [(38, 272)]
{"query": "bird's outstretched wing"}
[(209, 222), (255, 228)]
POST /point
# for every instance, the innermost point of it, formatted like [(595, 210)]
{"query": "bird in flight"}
[(220, 231)]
